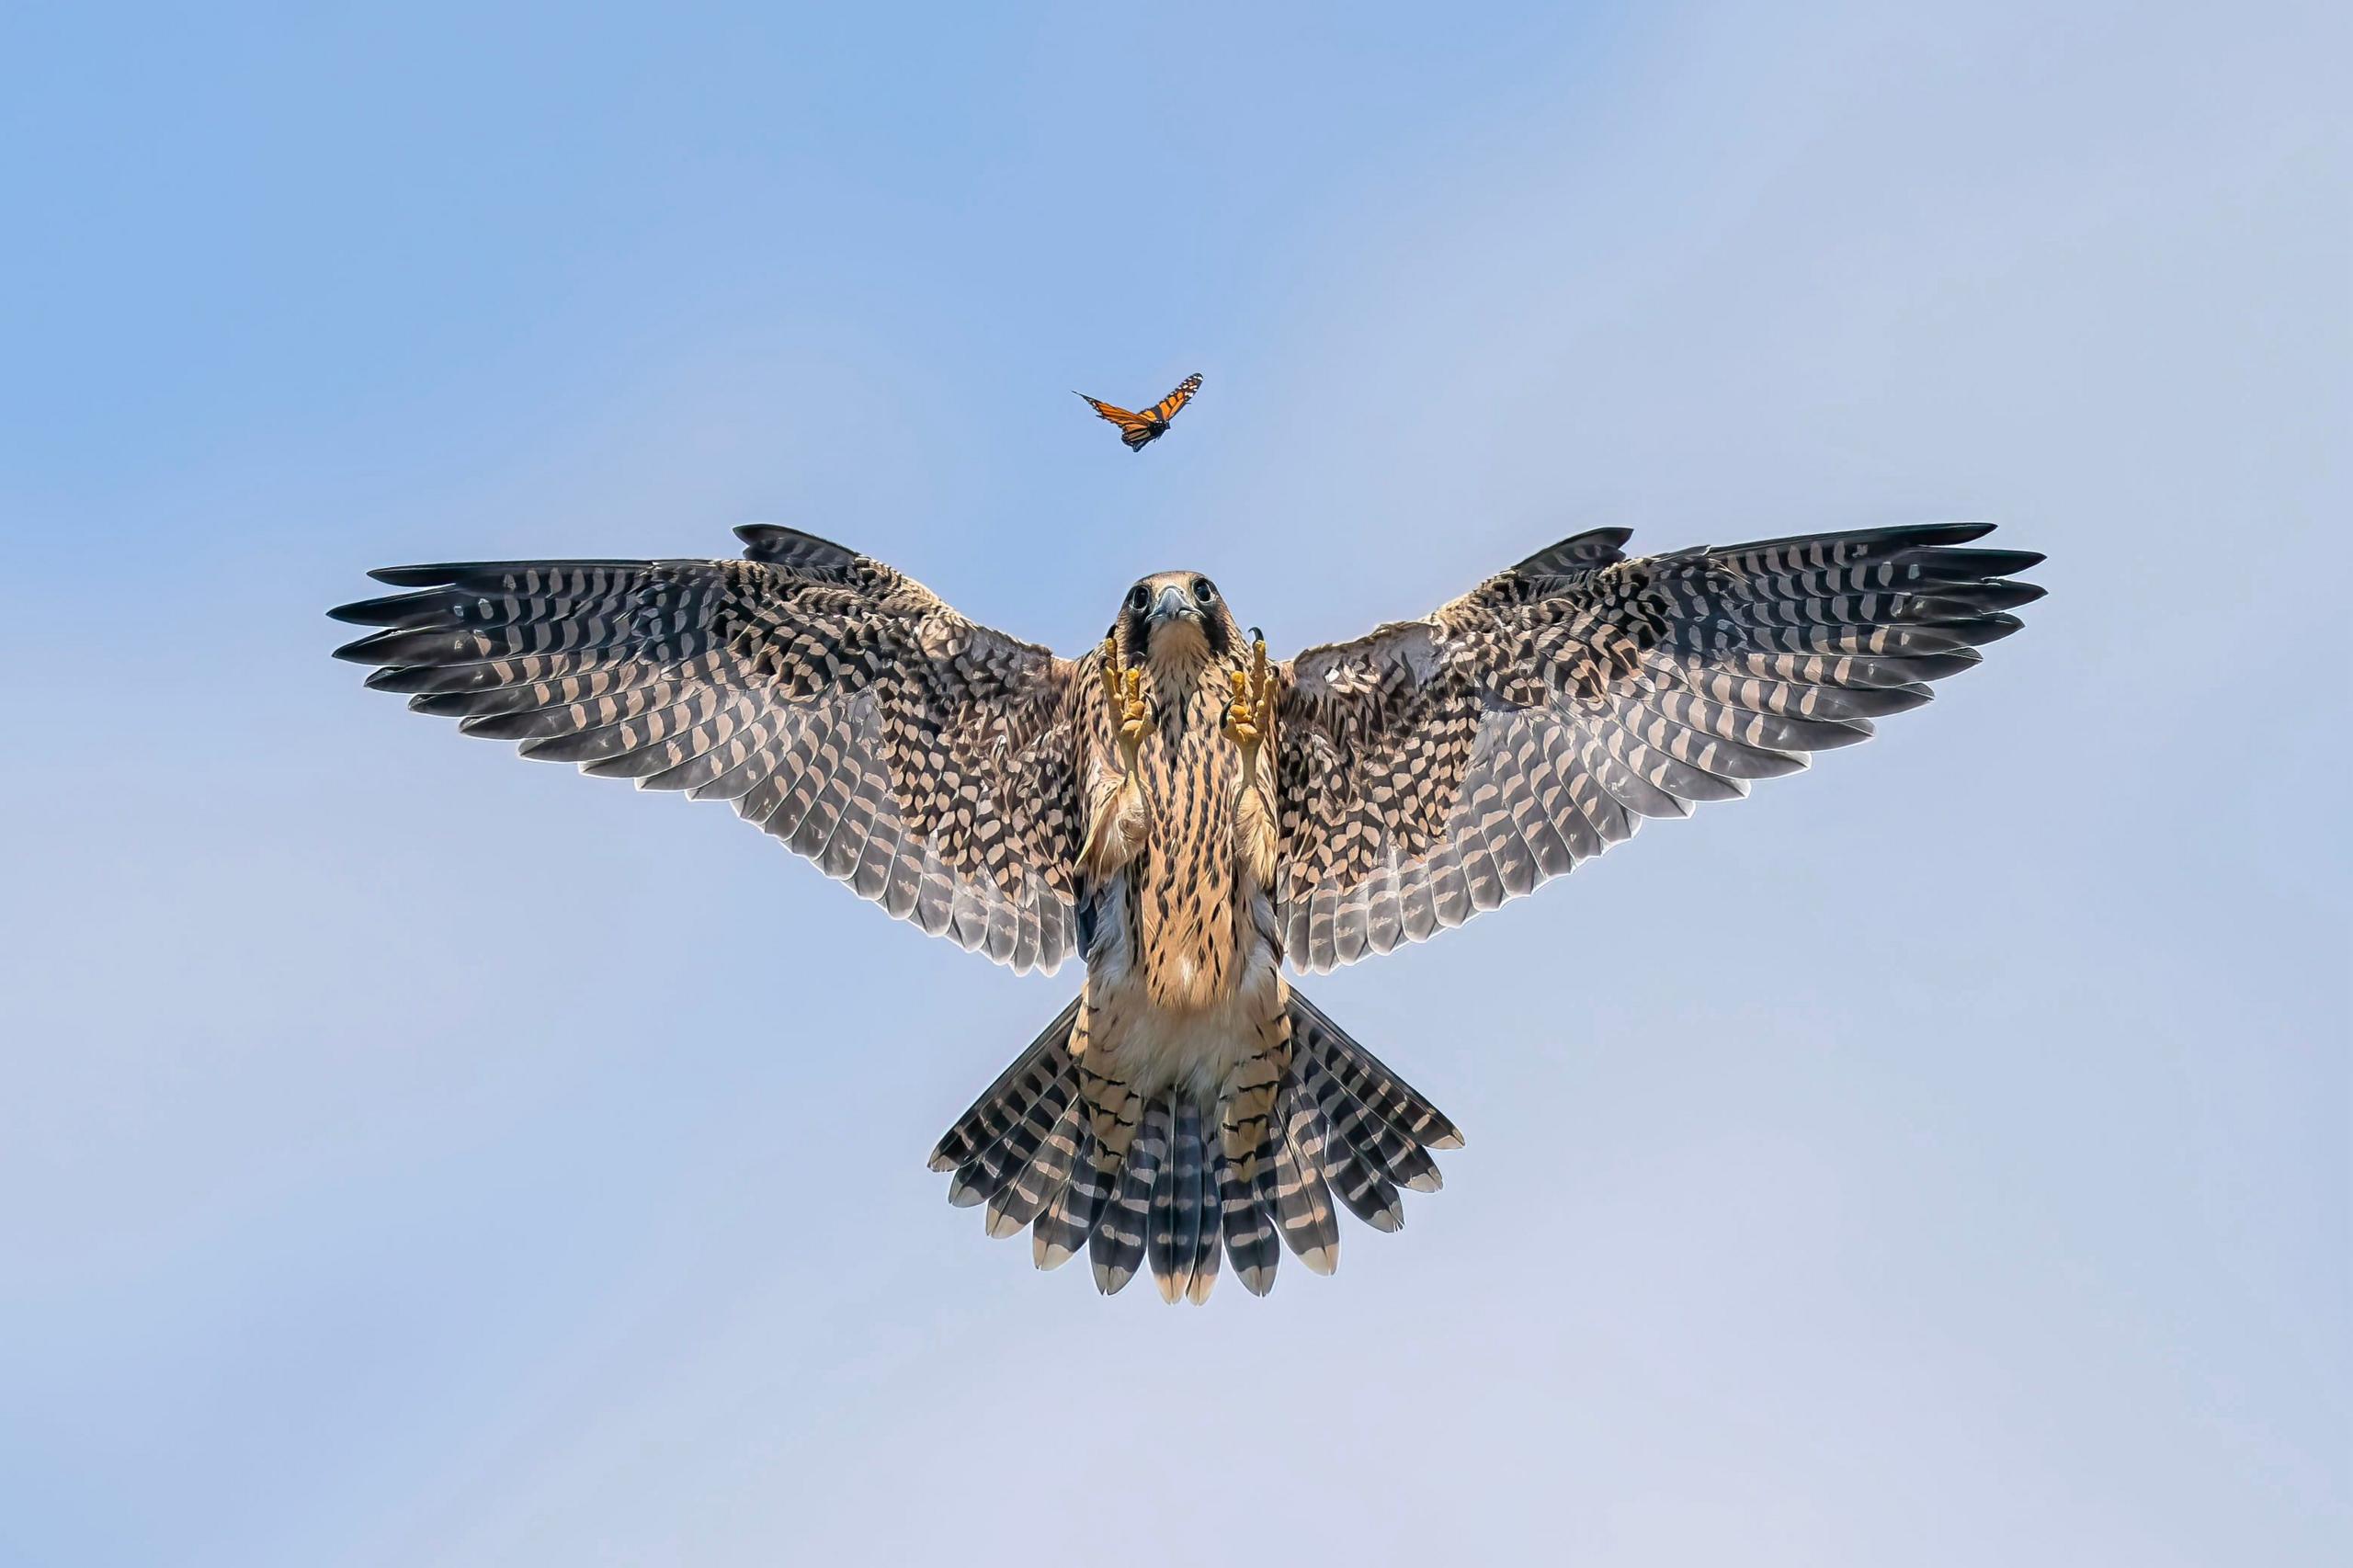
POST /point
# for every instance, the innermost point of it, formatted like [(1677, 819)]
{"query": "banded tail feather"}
[(1118, 1244), (1155, 1181)]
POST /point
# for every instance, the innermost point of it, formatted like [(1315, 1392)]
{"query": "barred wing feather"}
[(837, 704), (1438, 767)]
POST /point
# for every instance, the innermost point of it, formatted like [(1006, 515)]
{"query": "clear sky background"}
[(409, 1156)]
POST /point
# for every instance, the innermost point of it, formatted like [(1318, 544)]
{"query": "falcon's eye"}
[(1204, 590), (1139, 598)]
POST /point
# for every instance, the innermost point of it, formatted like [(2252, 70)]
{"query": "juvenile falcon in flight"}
[(1185, 816)]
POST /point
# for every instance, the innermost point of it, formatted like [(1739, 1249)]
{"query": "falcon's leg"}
[(1248, 717), (1119, 818)]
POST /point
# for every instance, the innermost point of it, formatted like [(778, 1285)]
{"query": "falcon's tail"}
[(1344, 1126)]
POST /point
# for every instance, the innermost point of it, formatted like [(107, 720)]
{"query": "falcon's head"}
[(1176, 618)]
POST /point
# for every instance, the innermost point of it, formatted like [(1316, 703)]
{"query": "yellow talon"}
[(1246, 713), (1125, 688)]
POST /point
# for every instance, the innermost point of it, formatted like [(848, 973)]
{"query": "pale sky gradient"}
[(409, 1155)]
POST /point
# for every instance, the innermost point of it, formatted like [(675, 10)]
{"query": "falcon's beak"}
[(1173, 605)]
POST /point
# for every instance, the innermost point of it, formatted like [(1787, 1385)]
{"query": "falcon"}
[(1186, 816)]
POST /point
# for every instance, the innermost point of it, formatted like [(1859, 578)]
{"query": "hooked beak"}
[(1173, 605)]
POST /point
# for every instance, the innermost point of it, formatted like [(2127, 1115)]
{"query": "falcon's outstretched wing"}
[(927, 762), (1437, 768)]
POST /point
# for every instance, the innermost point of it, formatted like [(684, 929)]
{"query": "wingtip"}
[(361, 651), (430, 575), (1994, 628)]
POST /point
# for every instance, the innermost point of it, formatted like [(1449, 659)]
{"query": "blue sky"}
[(411, 1155)]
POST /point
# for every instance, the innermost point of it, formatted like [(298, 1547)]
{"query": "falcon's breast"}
[(1186, 889)]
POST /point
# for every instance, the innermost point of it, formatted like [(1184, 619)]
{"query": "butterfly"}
[(1139, 430)]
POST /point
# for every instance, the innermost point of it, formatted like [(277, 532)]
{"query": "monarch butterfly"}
[(1139, 430)]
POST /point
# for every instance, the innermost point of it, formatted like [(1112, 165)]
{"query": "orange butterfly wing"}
[(1111, 411), (1165, 409), (1135, 428)]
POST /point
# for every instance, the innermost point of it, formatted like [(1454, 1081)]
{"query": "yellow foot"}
[(1125, 688), (1121, 819), (1249, 715)]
